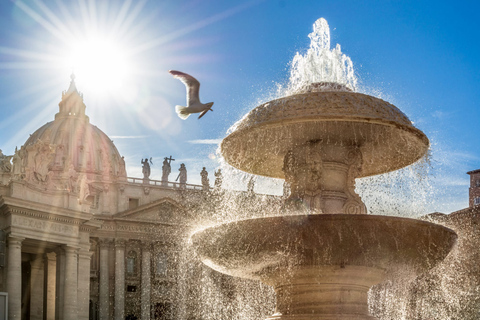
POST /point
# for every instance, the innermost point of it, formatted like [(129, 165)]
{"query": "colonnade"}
[(119, 280), (57, 289), (60, 282)]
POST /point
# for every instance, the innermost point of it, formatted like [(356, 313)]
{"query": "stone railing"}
[(165, 184)]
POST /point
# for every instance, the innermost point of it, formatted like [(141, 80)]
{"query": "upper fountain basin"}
[(385, 136), (255, 248)]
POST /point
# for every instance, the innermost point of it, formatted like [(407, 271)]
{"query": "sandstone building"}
[(81, 239)]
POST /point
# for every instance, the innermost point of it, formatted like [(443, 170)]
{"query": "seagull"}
[(193, 101)]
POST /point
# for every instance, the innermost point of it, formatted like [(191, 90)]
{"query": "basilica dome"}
[(71, 144)]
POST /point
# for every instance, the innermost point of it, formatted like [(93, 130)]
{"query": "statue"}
[(166, 169), (17, 163), (182, 175), (43, 156), (84, 189), (146, 168), (5, 164), (218, 178), (72, 178), (205, 181)]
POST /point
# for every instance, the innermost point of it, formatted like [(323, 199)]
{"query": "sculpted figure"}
[(5, 164), (146, 168), (72, 178), (17, 163), (182, 175), (84, 189), (205, 181), (166, 168), (43, 156)]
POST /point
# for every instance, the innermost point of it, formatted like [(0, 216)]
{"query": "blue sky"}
[(422, 56)]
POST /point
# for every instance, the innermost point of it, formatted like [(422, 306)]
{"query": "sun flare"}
[(100, 63)]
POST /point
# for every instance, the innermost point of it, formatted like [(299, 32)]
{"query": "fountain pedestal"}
[(327, 292)]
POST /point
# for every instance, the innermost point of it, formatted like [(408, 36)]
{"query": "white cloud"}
[(205, 141)]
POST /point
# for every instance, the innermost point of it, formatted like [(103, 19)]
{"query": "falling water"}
[(223, 297), (320, 63)]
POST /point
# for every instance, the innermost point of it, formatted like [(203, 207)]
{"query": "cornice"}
[(42, 211)]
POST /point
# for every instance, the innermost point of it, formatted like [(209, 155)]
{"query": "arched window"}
[(131, 262), (161, 266)]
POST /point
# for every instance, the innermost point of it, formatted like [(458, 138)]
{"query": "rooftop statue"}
[(182, 175), (146, 168), (166, 169), (205, 181)]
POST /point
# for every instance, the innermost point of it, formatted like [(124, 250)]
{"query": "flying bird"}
[(193, 101)]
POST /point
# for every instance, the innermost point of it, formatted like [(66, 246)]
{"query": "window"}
[(161, 266), (131, 263), (476, 201), (131, 288), (477, 183)]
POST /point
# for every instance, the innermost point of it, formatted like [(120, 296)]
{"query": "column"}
[(83, 283), (14, 277), (104, 299), (71, 283), (36, 288), (146, 277), (120, 279), (59, 283), (49, 285)]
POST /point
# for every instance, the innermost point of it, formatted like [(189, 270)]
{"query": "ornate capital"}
[(120, 243), (15, 241), (105, 243)]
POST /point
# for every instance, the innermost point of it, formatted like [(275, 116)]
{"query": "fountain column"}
[(322, 178)]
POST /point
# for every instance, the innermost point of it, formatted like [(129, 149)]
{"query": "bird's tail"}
[(180, 110)]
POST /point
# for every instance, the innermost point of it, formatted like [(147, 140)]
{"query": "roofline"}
[(473, 171)]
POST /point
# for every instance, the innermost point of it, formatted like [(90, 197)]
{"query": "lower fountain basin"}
[(253, 248), (322, 266)]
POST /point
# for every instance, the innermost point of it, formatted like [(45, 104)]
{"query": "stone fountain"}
[(323, 252)]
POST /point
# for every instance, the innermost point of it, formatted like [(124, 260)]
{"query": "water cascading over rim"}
[(322, 265), (321, 140)]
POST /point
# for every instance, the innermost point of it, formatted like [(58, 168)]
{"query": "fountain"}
[(323, 252)]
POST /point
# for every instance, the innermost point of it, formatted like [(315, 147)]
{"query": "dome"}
[(70, 145)]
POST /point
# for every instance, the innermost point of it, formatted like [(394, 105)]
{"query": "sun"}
[(100, 63)]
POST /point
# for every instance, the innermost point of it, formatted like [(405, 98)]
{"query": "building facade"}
[(474, 190), (84, 241)]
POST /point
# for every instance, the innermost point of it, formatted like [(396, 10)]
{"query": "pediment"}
[(162, 211)]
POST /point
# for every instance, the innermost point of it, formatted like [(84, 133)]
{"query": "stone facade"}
[(84, 241), (474, 190)]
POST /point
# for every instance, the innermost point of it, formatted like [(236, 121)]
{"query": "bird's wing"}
[(192, 85)]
